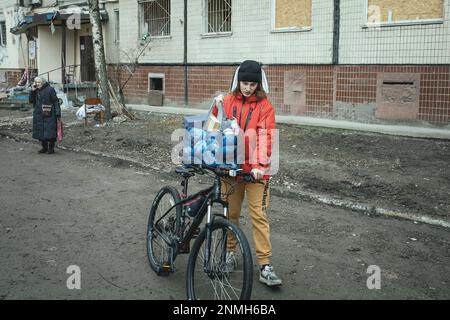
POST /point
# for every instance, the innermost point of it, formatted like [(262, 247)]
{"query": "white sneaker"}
[(268, 276)]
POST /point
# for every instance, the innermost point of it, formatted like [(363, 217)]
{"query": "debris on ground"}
[(398, 173)]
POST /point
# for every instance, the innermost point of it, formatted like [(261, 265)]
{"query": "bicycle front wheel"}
[(221, 276), (162, 229)]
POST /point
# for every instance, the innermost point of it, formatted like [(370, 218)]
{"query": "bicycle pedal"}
[(167, 268)]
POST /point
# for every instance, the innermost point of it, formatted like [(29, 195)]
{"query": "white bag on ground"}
[(81, 113)]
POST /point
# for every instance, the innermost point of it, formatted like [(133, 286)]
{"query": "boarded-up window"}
[(292, 14), (392, 11)]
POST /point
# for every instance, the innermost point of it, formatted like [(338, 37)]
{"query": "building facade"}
[(377, 61), (13, 49), (49, 38)]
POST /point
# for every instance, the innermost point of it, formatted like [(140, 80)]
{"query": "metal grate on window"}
[(218, 13), (155, 15)]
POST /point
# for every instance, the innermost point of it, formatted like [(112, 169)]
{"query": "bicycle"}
[(212, 272)]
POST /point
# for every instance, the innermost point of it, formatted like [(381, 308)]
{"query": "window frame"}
[(274, 29), (403, 22), (3, 41), (146, 35), (116, 26), (204, 17), (162, 76)]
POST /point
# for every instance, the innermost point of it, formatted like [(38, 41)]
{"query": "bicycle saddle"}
[(185, 170)]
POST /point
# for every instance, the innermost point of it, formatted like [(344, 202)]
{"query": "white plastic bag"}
[(81, 113)]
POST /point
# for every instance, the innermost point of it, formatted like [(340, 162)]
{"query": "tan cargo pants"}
[(258, 204)]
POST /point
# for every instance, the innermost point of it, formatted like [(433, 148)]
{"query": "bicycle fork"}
[(209, 222)]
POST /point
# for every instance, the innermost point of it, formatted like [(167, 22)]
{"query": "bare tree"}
[(126, 65), (101, 74)]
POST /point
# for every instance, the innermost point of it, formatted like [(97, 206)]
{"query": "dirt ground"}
[(75, 209), (396, 173)]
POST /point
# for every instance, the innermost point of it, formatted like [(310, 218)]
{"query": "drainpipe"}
[(336, 29), (186, 86), (63, 53)]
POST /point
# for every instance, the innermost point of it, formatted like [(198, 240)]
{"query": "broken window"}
[(155, 17), (217, 16), (2, 33), (395, 11), (292, 14)]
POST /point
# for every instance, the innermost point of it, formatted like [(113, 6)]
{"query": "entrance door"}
[(87, 68)]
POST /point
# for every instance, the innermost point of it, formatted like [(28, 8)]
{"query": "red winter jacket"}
[(258, 115)]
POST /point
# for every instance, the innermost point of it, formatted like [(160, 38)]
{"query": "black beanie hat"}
[(250, 70)]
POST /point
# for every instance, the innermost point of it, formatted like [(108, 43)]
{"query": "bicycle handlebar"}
[(222, 172), (248, 177)]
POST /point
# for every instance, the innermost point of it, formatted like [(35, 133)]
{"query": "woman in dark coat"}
[(45, 114)]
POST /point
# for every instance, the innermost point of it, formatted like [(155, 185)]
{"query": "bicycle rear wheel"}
[(214, 280), (161, 233)]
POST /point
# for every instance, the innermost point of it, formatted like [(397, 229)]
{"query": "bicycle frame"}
[(213, 195), (170, 231)]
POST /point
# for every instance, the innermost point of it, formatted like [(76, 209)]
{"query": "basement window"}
[(156, 82)]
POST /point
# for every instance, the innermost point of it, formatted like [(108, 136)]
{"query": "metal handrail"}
[(48, 72)]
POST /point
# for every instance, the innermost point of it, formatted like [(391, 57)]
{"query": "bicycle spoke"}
[(162, 229), (216, 282)]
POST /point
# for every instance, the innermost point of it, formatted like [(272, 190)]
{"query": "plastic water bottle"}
[(187, 155), (208, 158)]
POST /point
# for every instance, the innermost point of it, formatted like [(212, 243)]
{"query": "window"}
[(156, 82), (116, 26), (291, 15), (401, 12), (32, 53), (2, 33), (217, 16), (155, 17)]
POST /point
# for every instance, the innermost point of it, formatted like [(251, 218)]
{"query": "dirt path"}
[(76, 209), (407, 175)]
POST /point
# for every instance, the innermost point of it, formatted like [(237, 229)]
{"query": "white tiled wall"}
[(414, 44), (252, 38), (161, 50), (251, 35)]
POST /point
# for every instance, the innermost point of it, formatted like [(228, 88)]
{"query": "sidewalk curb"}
[(389, 129), (277, 191), (355, 206)]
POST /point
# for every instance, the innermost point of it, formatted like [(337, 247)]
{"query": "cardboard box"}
[(212, 124)]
